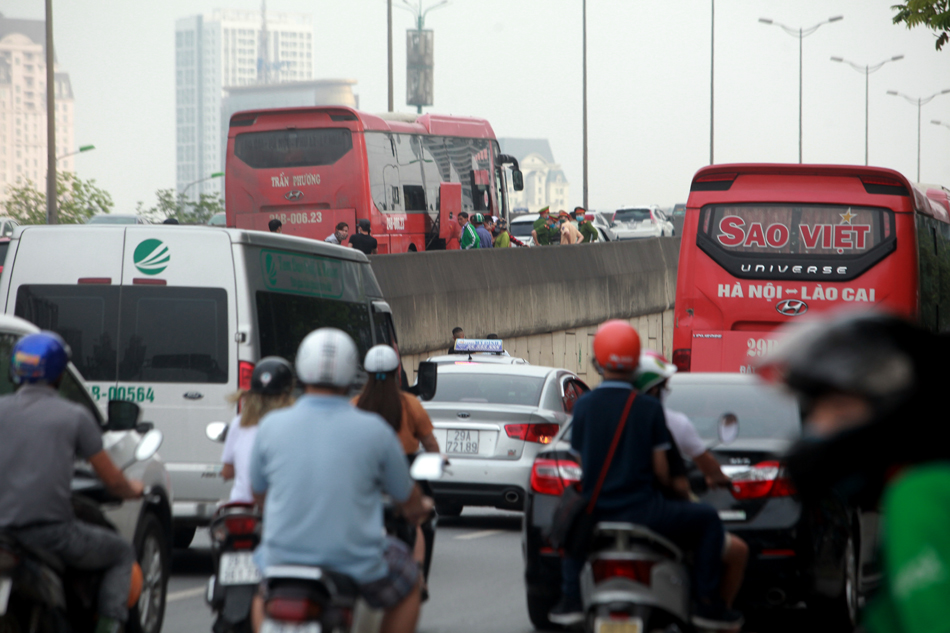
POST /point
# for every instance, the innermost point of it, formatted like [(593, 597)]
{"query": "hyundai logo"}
[(462, 414), (791, 307), (294, 195)]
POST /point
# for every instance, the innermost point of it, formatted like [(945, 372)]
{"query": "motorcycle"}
[(306, 599), (235, 532), (38, 592)]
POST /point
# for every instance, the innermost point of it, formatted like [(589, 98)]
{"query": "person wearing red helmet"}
[(631, 489)]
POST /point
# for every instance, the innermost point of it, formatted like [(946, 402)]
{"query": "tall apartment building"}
[(23, 106), (221, 50)]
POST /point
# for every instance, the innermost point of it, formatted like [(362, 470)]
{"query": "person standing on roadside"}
[(363, 241), (470, 238), (541, 231), (585, 225), (339, 234), (455, 232), (484, 237), (569, 232)]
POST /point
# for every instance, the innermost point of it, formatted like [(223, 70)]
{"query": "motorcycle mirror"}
[(728, 428), (148, 445), (216, 431), (427, 467)]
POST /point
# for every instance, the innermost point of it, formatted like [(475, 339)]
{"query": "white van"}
[(174, 318)]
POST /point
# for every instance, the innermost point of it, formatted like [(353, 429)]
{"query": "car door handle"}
[(193, 395)]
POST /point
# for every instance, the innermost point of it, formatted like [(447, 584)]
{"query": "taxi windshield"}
[(489, 389)]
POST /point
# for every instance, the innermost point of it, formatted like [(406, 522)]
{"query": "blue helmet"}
[(42, 356)]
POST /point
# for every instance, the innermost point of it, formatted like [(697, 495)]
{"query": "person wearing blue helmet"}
[(42, 435)]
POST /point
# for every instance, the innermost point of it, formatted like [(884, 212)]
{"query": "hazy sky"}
[(517, 63)]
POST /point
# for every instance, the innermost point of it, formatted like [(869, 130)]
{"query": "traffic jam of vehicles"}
[(165, 324)]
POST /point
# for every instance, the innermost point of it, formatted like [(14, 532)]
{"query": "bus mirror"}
[(517, 180), (427, 381), (122, 415)]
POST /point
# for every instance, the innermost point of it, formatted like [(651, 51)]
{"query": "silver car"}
[(491, 420), (642, 221), (146, 523)]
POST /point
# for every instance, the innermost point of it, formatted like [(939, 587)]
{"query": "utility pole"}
[(712, 79), (389, 40), (584, 24), (52, 213)]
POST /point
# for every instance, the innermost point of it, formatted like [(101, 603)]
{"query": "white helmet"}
[(327, 357), (653, 370), (381, 359)]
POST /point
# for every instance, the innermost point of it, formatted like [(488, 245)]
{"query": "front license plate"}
[(461, 442), (633, 625), (269, 626), (238, 568), (6, 585)]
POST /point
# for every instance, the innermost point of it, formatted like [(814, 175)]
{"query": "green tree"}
[(77, 200), (934, 14), (173, 205)]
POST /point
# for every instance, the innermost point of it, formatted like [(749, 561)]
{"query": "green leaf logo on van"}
[(151, 257)]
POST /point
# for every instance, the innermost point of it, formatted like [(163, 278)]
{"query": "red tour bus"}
[(764, 244), (409, 175)]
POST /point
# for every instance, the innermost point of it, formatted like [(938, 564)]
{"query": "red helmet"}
[(617, 346)]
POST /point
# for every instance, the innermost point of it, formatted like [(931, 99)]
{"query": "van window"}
[(87, 317), (167, 334), (283, 320), (174, 335)]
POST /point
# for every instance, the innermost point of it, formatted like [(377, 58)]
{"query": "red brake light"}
[(884, 185), (241, 525), (766, 479), (713, 182), (682, 358), (538, 433), (549, 476), (636, 570), (245, 371), (292, 609)]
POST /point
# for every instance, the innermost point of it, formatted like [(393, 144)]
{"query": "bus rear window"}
[(279, 149), (791, 240)]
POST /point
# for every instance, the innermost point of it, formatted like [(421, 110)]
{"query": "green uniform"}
[(916, 554), (589, 232), (544, 233), (502, 241), (469, 238)]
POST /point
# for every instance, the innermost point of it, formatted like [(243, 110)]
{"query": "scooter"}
[(306, 599), (38, 593), (235, 532)]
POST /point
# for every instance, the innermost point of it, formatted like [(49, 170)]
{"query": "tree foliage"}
[(77, 200), (934, 14), (173, 205)]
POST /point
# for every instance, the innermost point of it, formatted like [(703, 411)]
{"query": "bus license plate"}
[(238, 568), (269, 626), (461, 442), (6, 585), (633, 625)]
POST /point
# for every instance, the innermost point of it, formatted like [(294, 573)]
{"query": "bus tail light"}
[(765, 479), (550, 476), (636, 570), (714, 182), (884, 185), (538, 433), (245, 371), (682, 358)]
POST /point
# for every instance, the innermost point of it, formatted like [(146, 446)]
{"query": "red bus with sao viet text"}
[(409, 175), (764, 244)]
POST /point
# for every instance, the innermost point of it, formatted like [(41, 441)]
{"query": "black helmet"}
[(272, 376)]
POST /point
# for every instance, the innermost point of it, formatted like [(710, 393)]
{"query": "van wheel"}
[(152, 552), (183, 536)]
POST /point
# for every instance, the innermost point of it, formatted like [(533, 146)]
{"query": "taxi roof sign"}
[(479, 345)]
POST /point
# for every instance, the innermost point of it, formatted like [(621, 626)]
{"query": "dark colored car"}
[(823, 556), (677, 215)]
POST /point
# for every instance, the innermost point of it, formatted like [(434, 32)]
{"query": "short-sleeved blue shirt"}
[(324, 466), (630, 479)]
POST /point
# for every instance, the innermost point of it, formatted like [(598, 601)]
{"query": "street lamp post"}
[(216, 174), (52, 213), (921, 101), (801, 34), (867, 70), (420, 15), (712, 77), (389, 41), (84, 148), (584, 62)]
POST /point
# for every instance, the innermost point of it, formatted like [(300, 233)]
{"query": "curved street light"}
[(918, 101), (216, 174), (946, 125), (867, 70), (84, 148), (801, 34)]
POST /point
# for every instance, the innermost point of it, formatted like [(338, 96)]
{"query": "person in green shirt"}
[(585, 225), (541, 232), (872, 387), (469, 238)]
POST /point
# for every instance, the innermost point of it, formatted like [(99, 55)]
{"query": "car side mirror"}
[(728, 428), (123, 415), (427, 381), (517, 180)]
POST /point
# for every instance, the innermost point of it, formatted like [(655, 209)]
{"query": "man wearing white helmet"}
[(323, 466)]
